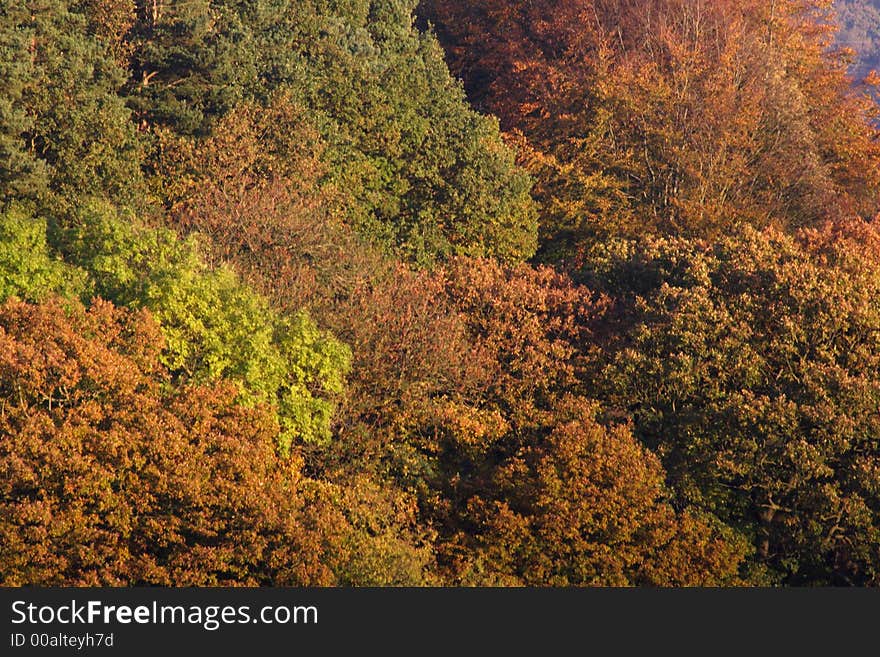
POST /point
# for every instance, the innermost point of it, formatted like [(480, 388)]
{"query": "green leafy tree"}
[(111, 21), (214, 325), (424, 175), (191, 62), (64, 129), (28, 268), (750, 366)]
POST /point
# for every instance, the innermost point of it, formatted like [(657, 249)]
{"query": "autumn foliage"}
[(750, 367), (471, 397), (450, 292), (108, 480), (671, 116)]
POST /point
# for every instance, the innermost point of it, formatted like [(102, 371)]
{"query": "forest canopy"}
[(450, 292)]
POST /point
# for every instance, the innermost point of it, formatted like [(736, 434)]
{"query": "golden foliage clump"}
[(111, 477), (670, 116)]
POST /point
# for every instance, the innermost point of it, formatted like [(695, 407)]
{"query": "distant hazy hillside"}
[(860, 30)]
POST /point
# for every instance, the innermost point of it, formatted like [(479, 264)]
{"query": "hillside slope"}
[(860, 30)]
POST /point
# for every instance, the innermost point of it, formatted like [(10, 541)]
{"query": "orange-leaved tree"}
[(111, 476), (671, 116), (468, 389)]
